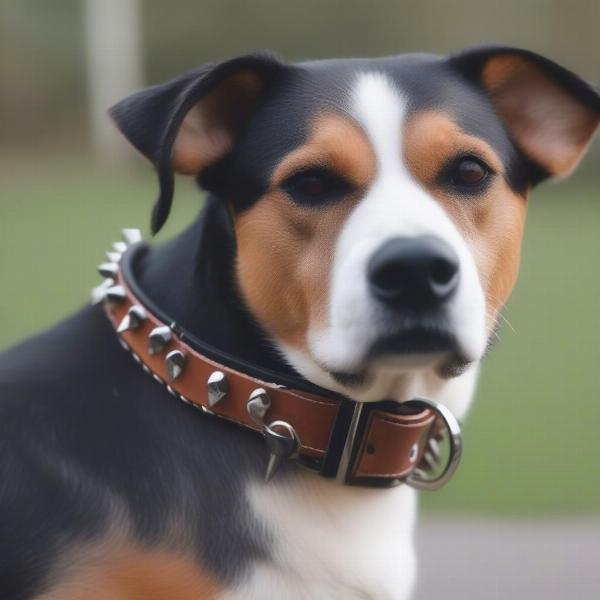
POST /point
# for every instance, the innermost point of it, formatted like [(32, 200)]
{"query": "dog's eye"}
[(314, 186), (468, 172)]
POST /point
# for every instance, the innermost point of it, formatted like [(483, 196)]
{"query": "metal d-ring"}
[(454, 438)]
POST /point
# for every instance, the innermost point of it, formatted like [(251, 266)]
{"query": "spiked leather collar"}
[(373, 444)]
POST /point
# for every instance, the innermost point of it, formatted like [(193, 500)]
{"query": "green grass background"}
[(532, 441)]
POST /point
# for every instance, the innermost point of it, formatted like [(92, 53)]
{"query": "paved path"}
[(508, 560)]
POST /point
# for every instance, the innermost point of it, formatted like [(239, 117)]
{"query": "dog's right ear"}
[(191, 123)]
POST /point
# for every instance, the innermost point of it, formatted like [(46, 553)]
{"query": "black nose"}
[(413, 273)]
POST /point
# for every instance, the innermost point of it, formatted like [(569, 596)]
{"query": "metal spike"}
[(175, 362), (116, 294), (114, 257), (99, 292), (125, 324), (108, 269), (133, 319), (120, 247), (217, 387), (131, 236), (258, 405), (275, 461), (157, 340), (281, 446)]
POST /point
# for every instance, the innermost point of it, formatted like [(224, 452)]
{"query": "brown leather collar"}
[(379, 444)]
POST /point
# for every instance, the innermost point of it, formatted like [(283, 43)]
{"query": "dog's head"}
[(378, 205)]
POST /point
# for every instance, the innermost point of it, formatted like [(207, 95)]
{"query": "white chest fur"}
[(333, 541)]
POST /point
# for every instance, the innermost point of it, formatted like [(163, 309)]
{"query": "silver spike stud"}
[(282, 442), (108, 269), (131, 236), (99, 292), (133, 319), (115, 294), (175, 362), (157, 340), (113, 257), (119, 247), (217, 387), (258, 405)]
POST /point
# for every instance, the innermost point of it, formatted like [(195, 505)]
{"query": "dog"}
[(360, 237)]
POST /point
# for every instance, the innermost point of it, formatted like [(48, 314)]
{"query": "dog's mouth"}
[(416, 340), (415, 347)]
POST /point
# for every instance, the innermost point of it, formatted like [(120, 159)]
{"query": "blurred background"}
[(69, 183)]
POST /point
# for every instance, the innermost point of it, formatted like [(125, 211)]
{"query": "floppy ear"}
[(549, 112), (191, 123)]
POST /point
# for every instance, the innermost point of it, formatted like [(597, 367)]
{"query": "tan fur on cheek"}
[(492, 224), (497, 242), (285, 254), (285, 251)]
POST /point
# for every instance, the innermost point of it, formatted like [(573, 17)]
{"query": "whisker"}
[(503, 317), (500, 315)]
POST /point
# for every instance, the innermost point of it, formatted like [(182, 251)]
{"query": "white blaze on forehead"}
[(380, 110), (396, 204)]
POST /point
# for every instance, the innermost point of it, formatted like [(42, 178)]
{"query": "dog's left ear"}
[(549, 112), (192, 122)]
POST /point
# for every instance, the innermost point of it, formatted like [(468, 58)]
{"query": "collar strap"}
[(373, 444)]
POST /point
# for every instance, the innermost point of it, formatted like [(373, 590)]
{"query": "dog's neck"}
[(191, 279)]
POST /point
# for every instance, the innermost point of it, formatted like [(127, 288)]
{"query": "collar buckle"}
[(434, 456)]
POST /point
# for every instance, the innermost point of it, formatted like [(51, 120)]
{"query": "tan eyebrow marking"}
[(432, 137), (287, 288), (334, 142)]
